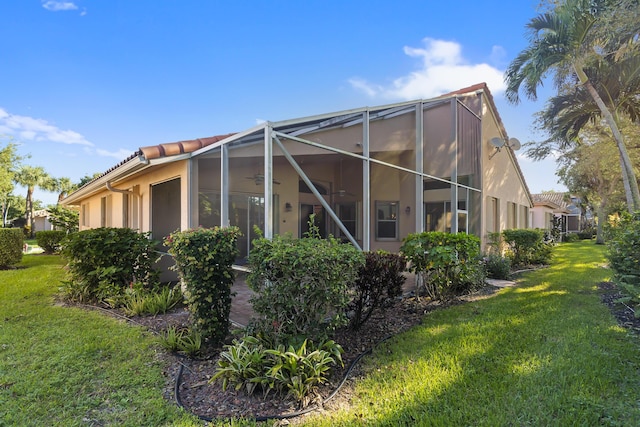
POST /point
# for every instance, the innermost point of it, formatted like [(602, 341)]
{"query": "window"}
[(387, 220), (348, 214), (105, 211), (512, 215), (85, 214), (438, 216), (522, 218)]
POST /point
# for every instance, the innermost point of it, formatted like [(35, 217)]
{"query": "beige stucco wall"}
[(90, 208), (500, 179)]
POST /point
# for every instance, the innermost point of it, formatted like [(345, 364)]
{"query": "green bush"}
[(497, 267), (11, 242), (379, 282), (144, 303), (204, 259), (571, 237), (182, 340), (301, 285), (527, 247), (295, 371), (104, 262), (587, 234), (623, 253), (50, 240), (447, 264)]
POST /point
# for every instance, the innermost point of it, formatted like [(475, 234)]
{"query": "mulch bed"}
[(209, 401)]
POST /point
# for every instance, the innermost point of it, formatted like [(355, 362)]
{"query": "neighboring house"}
[(41, 221), (370, 175), (560, 205)]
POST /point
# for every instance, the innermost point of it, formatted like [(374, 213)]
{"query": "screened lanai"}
[(369, 176)]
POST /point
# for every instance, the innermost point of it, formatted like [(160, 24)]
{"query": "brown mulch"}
[(622, 312), (211, 402)]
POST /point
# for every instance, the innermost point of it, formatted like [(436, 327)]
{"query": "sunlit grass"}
[(547, 352), (69, 366)]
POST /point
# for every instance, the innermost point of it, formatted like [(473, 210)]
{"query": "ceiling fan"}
[(259, 179)]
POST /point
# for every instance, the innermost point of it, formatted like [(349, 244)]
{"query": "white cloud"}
[(30, 129), (443, 70), (56, 6), (121, 154)]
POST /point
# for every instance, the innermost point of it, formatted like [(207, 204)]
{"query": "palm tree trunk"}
[(628, 175), (28, 213)]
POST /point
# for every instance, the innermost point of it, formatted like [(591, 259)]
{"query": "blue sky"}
[(85, 83)]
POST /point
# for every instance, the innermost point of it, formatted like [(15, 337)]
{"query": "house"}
[(370, 175), (41, 221), (560, 205)]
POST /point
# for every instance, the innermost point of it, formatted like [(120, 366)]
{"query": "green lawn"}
[(69, 366), (545, 353)]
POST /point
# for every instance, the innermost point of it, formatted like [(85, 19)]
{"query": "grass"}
[(547, 352), (70, 367)]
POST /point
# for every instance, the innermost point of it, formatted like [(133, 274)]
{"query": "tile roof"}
[(181, 147)]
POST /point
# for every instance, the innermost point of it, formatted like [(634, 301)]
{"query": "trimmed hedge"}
[(11, 241), (50, 240), (301, 285), (204, 259), (104, 262)]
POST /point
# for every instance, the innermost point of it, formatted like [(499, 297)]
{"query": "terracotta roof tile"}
[(180, 147)]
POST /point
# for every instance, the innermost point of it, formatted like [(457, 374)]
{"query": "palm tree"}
[(561, 44), (32, 177), (63, 186)]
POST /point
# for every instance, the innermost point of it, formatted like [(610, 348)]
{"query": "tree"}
[(9, 160), (62, 186), (32, 177), (563, 42)]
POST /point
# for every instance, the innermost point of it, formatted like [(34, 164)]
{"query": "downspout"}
[(117, 190)]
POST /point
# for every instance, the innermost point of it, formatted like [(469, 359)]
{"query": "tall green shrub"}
[(301, 285), (11, 241), (50, 240), (527, 246), (623, 253), (103, 262), (447, 264), (204, 259)]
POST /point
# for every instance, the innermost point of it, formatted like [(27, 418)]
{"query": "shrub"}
[(571, 237), (497, 267), (527, 247), (204, 259), (104, 262), (447, 264), (301, 285), (623, 253), (296, 371), (182, 340), (379, 282), (11, 242), (587, 234), (141, 303), (50, 240)]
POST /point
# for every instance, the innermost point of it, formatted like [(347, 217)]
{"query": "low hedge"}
[(11, 241), (50, 240)]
